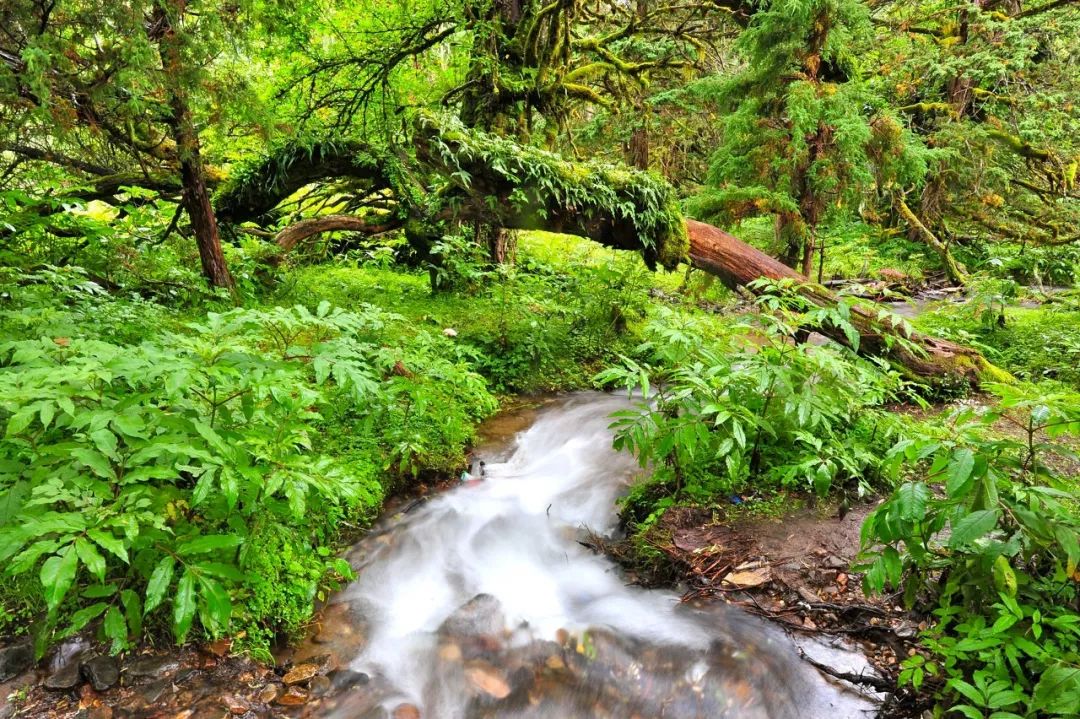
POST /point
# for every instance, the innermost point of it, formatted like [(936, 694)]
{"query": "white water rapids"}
[(482, 603)]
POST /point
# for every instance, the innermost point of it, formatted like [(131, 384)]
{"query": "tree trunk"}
[(952, 268), (737, 264), (195, 196)]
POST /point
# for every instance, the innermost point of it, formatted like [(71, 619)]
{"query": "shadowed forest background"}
[(266, 265)]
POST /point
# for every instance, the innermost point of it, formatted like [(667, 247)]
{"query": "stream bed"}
[(481, 602)]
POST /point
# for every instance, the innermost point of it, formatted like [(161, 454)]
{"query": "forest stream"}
[(482, 603)]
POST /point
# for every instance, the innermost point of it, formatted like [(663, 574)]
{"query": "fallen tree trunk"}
[(737, 264), (292, 235), (519, 187)]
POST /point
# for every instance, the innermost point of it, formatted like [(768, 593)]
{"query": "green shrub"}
[(751, 407), (133, 478), (987, 531)]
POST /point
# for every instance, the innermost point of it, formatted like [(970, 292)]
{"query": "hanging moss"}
[(612, 203), (255, 187)]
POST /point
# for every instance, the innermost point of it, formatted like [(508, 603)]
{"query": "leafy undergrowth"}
[(171, 471), (978, 531), (149, 460)]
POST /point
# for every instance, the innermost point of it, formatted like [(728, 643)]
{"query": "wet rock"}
[(269, 693), (151, 666), (319, 686), (102, 672), (65, 678), (747, 579), (235, 705), (309, 667), (481, 615), (406, 711), (487, 679), (835, 562), (293, 697), (15, 660), (150, 693), (345, 679)]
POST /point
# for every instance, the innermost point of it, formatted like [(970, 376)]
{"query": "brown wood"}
[(292, 235), (738, 264), (195, 197)]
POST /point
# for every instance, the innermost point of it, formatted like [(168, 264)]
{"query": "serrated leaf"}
[(160, 579), (1058, 690), (912, 498), (973, 526)]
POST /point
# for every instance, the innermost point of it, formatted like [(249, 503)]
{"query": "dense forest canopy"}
[(174, 173)]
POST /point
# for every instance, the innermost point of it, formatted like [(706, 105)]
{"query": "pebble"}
[(294, 696), (406, 711), (301, 673), (268, 693), (102, 672), (319, 686), (235, 705)]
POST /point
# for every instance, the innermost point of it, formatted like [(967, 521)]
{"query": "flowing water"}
[(482, 603)]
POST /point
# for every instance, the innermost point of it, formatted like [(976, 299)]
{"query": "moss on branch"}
[(524, 186)]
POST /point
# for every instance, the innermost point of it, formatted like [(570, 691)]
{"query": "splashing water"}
[(482, 603)]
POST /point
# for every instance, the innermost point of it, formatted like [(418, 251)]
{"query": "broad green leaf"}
[(217, 603), (209, 543), (57, 576), (91, 557), (912, 498), (961, 462), (159, 582), (109, 543), (84, 616), (184, 606), (105, 441), (973, 526), (1058, 691), (95, 461), (116, 629), (1004, 576)]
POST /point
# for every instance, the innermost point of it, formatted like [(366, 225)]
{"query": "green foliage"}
[(146, 480), (1035, 344), (752, 407), (986, 528)]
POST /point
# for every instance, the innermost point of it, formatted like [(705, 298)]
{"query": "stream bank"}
[(486, 622)]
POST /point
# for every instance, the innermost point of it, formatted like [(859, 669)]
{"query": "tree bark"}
[(952, 267), (195, 196), (292, 235), (737, 264)]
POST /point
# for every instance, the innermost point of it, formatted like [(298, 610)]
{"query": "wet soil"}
[(798, 571)]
